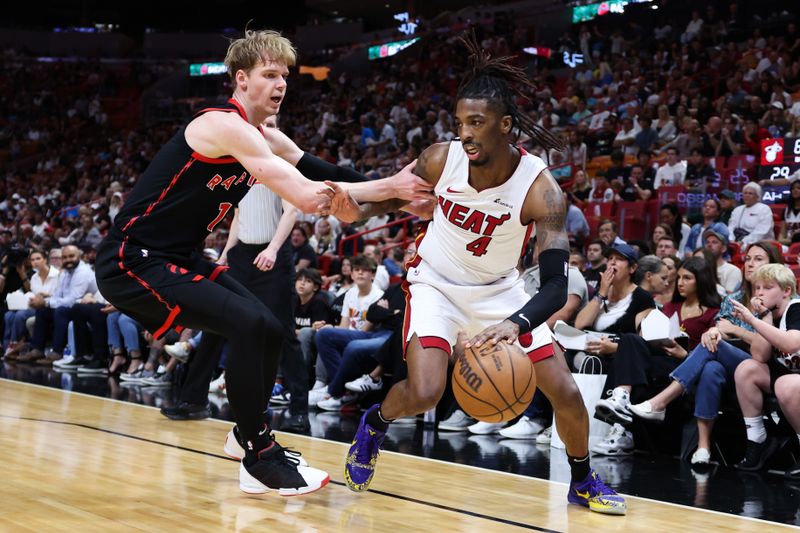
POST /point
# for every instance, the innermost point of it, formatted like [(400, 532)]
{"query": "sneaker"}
[(614, 410), (359, 466), (545, 436), (645, 411), (179, 350), (275, 470), (336, 404), (364, 384), (701, 456), (186, 411), (525, 428), (458, 421), (76, 363), (617, 442), (280, 395), (218, 385), (163, 379), (485, 428), (63, 361), (95, 367), (316, 396), (594, 494), (233, 448), (756, 454)]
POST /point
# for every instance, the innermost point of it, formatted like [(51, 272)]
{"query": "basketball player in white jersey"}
[(491, 195)]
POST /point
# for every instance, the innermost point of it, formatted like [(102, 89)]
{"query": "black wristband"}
[(317, 169), (552, 295)]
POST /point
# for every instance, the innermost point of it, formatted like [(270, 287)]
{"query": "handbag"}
[(591, 383)]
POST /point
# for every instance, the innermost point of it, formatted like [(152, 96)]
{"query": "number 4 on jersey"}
[(479, 245)]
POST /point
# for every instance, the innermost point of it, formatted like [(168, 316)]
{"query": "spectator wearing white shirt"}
[(693, 28), (43, 283), (626, 136), (752, 221), (672, 172), (53, 313)]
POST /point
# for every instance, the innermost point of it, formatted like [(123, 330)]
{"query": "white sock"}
[(755, 429)]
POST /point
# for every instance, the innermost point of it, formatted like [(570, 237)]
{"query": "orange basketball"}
[(494, 383)]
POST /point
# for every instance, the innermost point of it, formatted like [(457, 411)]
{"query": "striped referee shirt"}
[(259, 213)]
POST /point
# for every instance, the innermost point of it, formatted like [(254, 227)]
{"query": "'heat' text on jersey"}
[(472, 220), (233, 180)]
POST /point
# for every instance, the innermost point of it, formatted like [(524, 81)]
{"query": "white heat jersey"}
[(476, 238)]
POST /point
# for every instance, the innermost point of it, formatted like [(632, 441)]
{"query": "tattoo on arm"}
[(551, 231), (422, 164)]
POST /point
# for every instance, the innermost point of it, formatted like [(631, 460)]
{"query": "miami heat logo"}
[(772, 152)]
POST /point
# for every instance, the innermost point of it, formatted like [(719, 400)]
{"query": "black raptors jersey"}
[(182, 196)]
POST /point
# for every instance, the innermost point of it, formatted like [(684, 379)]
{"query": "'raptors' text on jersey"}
[(182, 196), (476, 238)]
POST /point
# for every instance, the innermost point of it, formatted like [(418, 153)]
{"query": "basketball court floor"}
[(74, 458)]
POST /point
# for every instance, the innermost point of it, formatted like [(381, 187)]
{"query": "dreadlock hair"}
[(499, 82)]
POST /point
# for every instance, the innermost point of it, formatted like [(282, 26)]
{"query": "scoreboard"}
[(780, 158)]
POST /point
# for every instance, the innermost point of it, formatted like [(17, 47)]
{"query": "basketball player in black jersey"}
[(149, 269)]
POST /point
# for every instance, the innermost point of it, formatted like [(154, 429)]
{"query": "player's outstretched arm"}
[(404, 185), (218, 134), (544, 206)]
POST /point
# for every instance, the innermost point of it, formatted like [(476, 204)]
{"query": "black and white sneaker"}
[(234, 449), (95, 367), (275, 470)]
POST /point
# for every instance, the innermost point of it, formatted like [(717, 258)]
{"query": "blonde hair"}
[(778, 274), (257, 47)]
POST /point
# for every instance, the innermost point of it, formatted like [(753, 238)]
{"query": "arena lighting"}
[(207, 69), (592, 11), (389, 49), (541, 51)]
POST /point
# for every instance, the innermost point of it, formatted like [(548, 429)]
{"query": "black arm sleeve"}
[(317, 169), (552, 295)]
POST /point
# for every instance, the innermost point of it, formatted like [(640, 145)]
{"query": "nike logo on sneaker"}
[(371, 432), (582, 494)]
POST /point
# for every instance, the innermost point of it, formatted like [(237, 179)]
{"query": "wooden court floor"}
[(78, 463)]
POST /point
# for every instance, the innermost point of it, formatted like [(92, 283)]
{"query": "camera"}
[(16, 255)]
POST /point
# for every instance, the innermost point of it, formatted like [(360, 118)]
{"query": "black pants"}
[(91, 330), (189, 292), (274, 289), (637, 363)]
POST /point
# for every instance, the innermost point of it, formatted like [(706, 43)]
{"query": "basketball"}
[(494, 383)]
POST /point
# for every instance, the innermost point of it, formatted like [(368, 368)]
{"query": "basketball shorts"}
[(437, 310), (142, 284)]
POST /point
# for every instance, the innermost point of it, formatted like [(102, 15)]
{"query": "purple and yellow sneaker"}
[(594, 494), (359, 465)]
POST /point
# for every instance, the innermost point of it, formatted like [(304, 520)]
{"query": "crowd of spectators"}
[(678, 104)]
